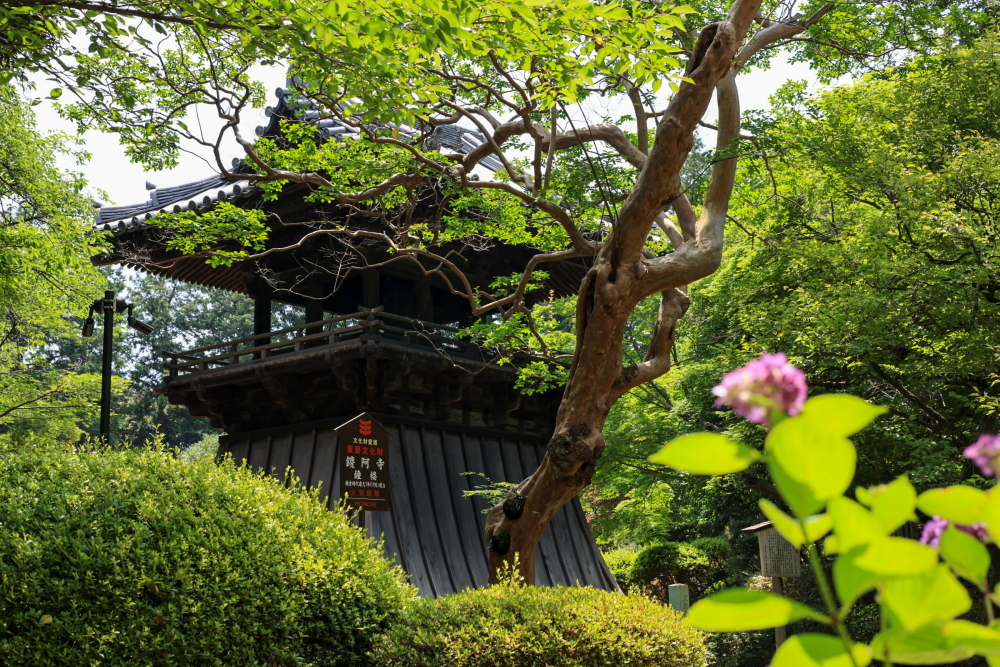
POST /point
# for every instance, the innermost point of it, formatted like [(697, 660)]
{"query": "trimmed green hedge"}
[(137, 558), (620, 562), (699, 564), (509, 625)]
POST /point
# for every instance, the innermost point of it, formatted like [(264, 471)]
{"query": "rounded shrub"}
[(136, 557), (510, 625), (699, 564)]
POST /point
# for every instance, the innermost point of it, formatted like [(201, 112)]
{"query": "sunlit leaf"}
[(961, 504), (966, 555), (853, 524), (925, 646), (898, 557), (815, 650), (850, 580), (705, 454), (809, 465), (841, 414), (892, 504), (738, 609), (916, 601)]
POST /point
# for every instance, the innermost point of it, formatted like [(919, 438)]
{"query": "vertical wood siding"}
[(431, 531)]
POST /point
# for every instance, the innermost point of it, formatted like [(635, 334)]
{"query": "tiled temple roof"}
[(204, 194)]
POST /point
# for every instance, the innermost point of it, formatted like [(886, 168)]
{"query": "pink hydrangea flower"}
[(984, 453), (934, 529), (762, 387)]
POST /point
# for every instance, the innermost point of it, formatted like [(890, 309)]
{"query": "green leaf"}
[(737, 609), (841, 414), (817, 525), (853, 524), (892, 504), (705, 454), (960, 504), (991, 513), (897, 557), (979, 638), (816, 650), (809, 464), (913, 602), (966, 555), (850, 580), (925, 646)]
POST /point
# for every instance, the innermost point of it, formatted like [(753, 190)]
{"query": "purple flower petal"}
[(933, 530), (761, 387), (984, 452)]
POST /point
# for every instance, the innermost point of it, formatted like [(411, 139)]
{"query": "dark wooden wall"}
[(432, 532)]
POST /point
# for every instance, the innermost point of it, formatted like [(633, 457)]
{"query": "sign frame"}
[(364, 460)]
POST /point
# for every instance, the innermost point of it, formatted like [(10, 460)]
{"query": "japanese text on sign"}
[(364, 464)]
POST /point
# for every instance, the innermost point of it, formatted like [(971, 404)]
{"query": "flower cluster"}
[(934, 529), (985, 453), (764, 390)]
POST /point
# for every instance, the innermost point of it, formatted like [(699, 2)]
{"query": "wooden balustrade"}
[(366, 324)]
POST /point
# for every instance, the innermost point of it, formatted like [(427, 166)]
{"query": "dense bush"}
[(139, 558), (509, 625), (699, 564), (619, 562)]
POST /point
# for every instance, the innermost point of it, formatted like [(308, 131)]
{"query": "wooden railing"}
[(366, 324)]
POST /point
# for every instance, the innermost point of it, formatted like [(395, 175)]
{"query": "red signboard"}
[(364, 464)]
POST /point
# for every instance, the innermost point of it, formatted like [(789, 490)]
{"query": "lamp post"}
[(109, 305)]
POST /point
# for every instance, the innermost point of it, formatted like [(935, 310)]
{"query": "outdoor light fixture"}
[(138, 324), (88, 324), (109, 305)]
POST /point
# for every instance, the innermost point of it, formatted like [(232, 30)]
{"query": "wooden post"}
[(780, 632), (314, 306), (370, 288), (422, 296), (778, 559), (262, 315)]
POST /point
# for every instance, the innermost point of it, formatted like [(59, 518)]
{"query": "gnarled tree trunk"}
[(622, 275)]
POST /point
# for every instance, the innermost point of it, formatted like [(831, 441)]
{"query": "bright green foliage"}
[(962, 504), (814, 650), (966, 555), (45, 277), (809, 463), (183, 316), (135, 557), (920, 596), (892, 504), (545, 332), (706, 454), (619, 562), (886, 27), (223, 226), (509, 624), (865, 249), (736, 609)]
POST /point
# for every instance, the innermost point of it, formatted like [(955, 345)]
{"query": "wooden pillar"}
[(780, 632), (422, 295), (314, 306), (261, 315), (370, 297)]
